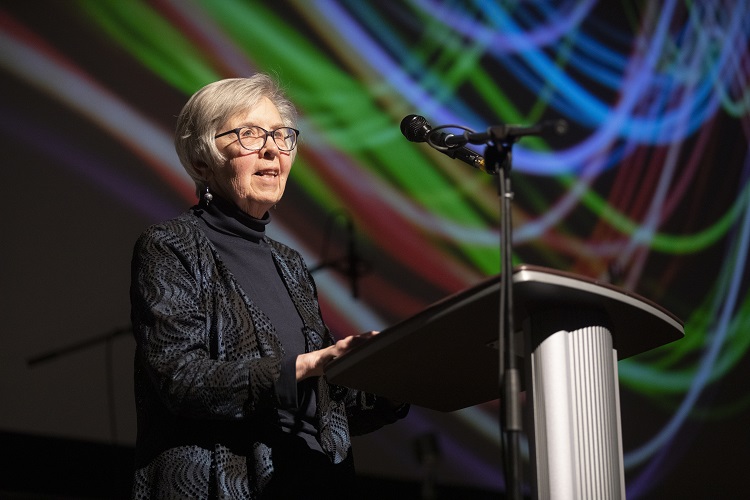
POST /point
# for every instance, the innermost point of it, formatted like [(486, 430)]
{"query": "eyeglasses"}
[(254, 138)]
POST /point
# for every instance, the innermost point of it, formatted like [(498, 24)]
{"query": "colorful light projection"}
[(650, 188)]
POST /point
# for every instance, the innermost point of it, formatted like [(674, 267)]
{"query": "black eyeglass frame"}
[(268, 133)]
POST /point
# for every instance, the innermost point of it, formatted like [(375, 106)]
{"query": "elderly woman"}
[(231, 346)]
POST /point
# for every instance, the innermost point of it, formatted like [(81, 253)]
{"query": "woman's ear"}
[(205, 171)]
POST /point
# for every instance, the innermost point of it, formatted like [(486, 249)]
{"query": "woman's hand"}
[(312, 364)]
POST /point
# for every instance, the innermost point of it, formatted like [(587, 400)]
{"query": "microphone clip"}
[(506, 134)]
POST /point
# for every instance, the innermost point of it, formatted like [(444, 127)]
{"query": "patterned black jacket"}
[(205, 365)]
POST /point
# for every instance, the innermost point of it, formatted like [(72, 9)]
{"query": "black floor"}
[(44, 468)]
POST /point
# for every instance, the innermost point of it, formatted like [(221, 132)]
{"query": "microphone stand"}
[(499, 140), (350, 265), (104, 338), (498, 162), (78, 346)]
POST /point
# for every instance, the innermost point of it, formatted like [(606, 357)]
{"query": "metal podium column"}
[(574, 428)]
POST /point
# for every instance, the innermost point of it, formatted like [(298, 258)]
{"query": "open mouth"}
[(267, 173)]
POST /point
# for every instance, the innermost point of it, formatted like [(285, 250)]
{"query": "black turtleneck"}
[(239, 240)]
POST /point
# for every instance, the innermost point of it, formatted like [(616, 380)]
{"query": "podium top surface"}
[(444, 357)]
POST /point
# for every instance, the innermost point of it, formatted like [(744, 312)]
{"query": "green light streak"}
[(335, 103), (671, 244), (153, 41), (663, 376)]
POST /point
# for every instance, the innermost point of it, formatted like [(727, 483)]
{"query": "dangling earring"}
[(207, 196)]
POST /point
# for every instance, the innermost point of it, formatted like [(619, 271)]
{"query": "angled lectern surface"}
[(445, 357)]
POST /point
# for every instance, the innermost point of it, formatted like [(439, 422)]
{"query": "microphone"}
[(416, 129)]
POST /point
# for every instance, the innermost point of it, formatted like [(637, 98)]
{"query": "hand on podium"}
[(312, 364)]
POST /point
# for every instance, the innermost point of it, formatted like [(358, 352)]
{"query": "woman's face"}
[(253, 180)]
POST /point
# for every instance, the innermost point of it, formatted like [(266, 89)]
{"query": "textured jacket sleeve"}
[(195, 337)]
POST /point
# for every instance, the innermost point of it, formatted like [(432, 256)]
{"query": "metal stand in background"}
[(350, 265), (105, 338), (427, 449), (78, 346)]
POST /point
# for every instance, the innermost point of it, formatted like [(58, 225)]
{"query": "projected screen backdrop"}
[(648, 190)]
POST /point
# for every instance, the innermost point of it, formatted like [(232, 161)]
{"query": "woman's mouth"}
[(267, 173)]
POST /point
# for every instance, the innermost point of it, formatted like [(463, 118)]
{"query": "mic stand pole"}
[(498, 160)]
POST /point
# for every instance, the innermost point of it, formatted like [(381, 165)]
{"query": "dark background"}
[(648, 190)]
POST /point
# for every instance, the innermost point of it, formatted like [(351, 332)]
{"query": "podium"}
[(574, 330)]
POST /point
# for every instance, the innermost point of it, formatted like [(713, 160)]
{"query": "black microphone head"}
[(415, 128)]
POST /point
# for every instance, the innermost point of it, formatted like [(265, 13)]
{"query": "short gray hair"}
[(212, 106)]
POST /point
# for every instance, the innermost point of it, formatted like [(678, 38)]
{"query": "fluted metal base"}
[(575, 431)]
